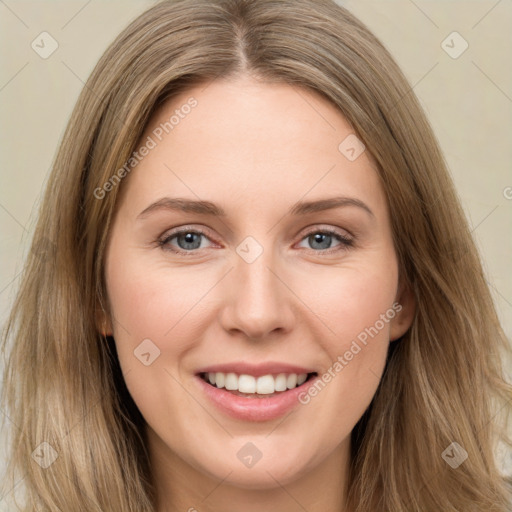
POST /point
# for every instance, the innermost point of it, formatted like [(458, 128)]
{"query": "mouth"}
[(250, 386), (255, 398)]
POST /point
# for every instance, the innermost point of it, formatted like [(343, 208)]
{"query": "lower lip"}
[(254, 409)]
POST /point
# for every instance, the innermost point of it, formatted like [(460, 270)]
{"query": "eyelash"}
[(345, 241)]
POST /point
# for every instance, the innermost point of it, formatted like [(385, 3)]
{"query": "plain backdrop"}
[(467, 98)]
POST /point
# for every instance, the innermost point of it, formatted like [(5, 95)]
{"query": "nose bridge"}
[(257, 300)]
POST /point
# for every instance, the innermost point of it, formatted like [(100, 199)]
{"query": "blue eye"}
[(323, 240), (188, 241)]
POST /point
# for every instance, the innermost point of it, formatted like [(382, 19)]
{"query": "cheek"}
[(169, 307), (357, 304), (352, 299), (154, 301)]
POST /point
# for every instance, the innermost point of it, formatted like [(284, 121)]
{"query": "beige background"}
[(468, 101)]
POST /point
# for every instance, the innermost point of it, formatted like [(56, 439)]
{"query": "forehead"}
[(251, 143)]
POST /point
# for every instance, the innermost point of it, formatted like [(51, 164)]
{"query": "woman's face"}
[(284, 270)]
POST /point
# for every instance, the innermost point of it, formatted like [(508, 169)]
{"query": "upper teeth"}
[(265, 385)]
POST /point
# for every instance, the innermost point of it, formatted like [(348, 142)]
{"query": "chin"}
[(263, 477), (274, 468)]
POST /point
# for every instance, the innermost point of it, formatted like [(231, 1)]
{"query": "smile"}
[(254, 393), (255, 387)]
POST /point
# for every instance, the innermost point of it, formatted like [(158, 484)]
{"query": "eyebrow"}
[(208, 208)]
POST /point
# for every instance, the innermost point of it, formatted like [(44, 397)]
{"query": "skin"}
[(254, 149)]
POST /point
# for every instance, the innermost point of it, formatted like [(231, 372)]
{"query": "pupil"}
[(322, 239), (189, 241)]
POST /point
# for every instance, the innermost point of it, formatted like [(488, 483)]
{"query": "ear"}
[(103, 322), (405, 309)]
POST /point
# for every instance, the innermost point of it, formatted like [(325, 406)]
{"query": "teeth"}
[(246, 384), (264, 385), (291, 381), (231, 382), (220, 378), (301, 378), (280, 382)]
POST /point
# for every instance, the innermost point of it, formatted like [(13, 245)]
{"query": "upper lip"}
[(257, 370)]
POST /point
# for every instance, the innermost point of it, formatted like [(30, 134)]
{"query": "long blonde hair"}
[(443, 380)]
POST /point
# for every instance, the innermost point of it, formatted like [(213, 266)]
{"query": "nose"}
[(257, 300)]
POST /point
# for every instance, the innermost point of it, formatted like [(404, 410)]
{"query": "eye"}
[(321, 240), (186, 240)]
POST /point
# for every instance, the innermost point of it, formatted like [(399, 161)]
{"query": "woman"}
[(263, 293)]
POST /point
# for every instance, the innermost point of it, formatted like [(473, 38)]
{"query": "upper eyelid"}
[(205, 232), (329, 229), (183, 229)]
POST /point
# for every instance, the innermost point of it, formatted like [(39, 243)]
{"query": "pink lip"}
[(256, 370), (255, 409)]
